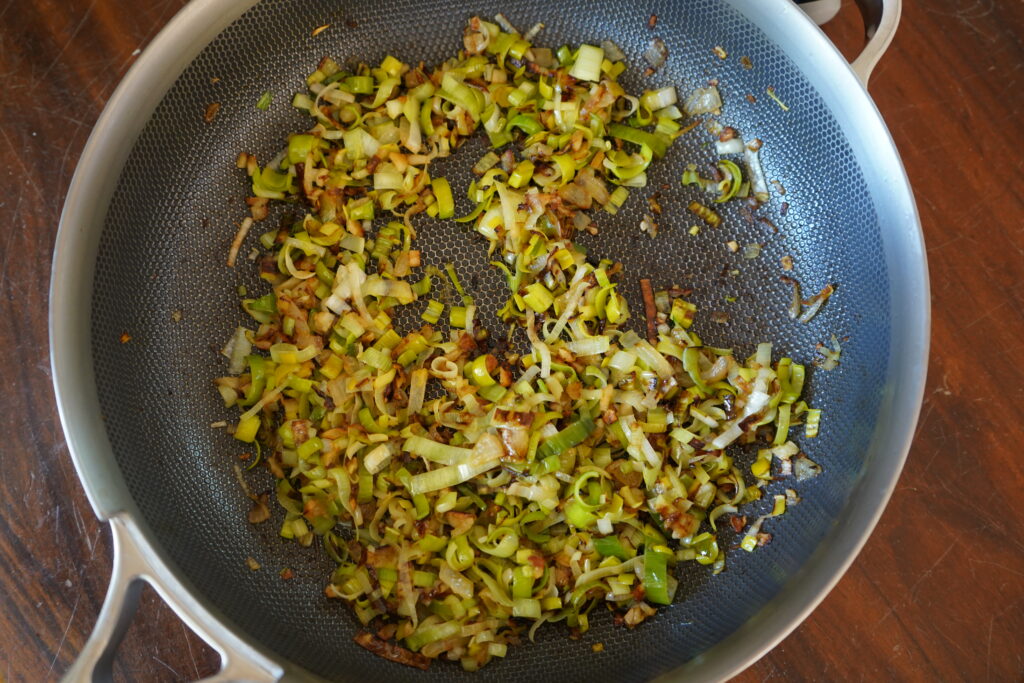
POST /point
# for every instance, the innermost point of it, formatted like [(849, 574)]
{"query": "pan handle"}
[(881, 17), (239, 662)]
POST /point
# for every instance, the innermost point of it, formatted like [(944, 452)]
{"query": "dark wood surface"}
[(937, 593)]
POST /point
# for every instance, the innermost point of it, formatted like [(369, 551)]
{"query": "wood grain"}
[(937, 593)]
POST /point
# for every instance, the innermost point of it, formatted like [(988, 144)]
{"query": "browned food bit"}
[(259, 512), (390, 651), (652, 21), (771, 94), (787, 262), (650, 310), (211, 112), (252, 563), (720, 52), (286, 574), (705, 214), (751, 99), (320, 29), (815, 303), (258, 207), (690, 126), (236, 244), (746, 63), (654, 203), (795, 300), (125, 338), (649, 225), (829, 358), (766, 222)]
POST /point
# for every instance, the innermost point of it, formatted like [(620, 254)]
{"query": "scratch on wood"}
[(64, 636), (95, 542), (78, 521), (988, 650), (928, 572), (168, 667), (188, 643), (993, 564), (71, 39), (984, 315)]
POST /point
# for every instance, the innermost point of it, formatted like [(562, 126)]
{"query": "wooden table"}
[(938, 592)]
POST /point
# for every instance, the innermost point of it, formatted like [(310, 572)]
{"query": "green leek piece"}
[(433, 312), (457, 317), (657, 144), (611, 546), (247, 428), (587, 66), (573, 435), (522, 582), (691, 363), (528, 124), (811, 423), (360, 85), (656, 575), (479, 370), (730, 169), (521, 174), (443, 194), (299, 147), (538, 297)]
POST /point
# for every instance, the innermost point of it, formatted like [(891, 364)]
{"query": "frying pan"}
[(151, 212)]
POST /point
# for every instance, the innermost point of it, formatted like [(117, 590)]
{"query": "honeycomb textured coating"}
[(180, 197)]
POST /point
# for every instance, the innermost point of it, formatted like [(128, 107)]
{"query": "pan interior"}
[(174, 213)]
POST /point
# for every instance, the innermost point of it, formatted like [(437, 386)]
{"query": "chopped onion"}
[(656, 53), (659, 99), (730, 146), (459, 584), (703, 101), (612, 51), (504, 23), (534, 30), (756, 172), (238, 347), (804, 468)]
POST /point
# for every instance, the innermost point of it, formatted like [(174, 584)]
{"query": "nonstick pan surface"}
[(161, 240)]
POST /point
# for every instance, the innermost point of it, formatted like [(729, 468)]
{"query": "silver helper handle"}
[(881, 17), (239, 663)]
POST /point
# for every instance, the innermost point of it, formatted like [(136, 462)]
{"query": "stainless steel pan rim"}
[(138, 555)]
